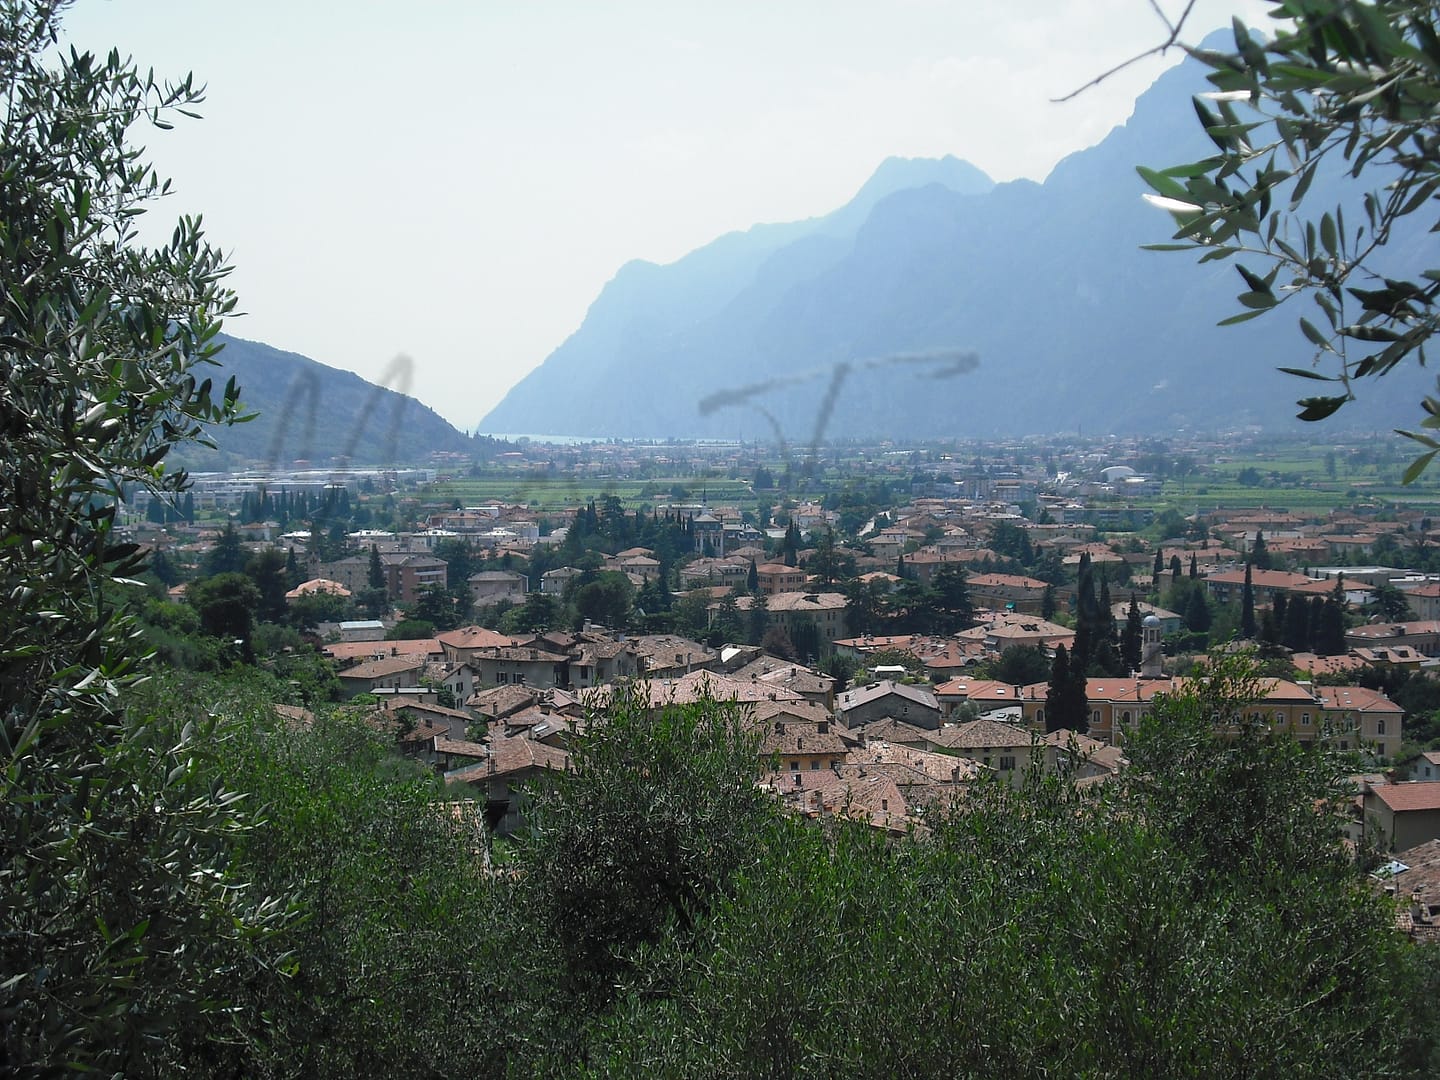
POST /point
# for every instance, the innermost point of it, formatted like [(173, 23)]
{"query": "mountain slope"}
[(310, 411), (850, 325)]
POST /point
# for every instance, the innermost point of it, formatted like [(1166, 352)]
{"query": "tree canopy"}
[(118, 920)]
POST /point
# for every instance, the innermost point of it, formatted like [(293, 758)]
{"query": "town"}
[(893, 622)]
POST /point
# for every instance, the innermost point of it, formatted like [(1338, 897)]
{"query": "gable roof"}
[(1409, 796), (864, 695)]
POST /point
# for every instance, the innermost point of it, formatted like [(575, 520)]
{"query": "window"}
[(1279, 717), (814, 764), (1007, 762), (1095, 717), (794, 766), (1125, 717), (1305, 719), (1380, 726), (519, 679), (501, 678)]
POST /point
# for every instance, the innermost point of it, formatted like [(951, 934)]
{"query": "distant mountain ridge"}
[(821, 327), (309, 411)]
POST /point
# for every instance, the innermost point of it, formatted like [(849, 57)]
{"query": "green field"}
[(547, 494)]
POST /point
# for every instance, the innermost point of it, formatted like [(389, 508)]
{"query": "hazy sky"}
[(457, 179)]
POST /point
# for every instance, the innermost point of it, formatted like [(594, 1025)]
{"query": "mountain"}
[(937, 303), (310, 411)]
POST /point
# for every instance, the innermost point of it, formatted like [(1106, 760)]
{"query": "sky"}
[(456, 180)]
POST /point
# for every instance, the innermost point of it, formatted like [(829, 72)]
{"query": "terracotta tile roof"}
[(907, 765), (1409, 796), (1357, 698), (373, 650), (1264, 579), (801, 601), (692, 687), (894, 731), (510, 756), (458, 747), (317, 585), (1380, 631), (767, 712), (1013, 581), (801, 738), (982, 734), (500, 701), (473, 637), (379, 669)]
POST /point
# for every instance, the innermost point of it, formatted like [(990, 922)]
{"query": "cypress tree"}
[(1132, 637), (1330, 635), (1197, 612), (1295, 629), (1316, 609), (1057, 692), (1247, 608), (1259, 553), (1194, 567)]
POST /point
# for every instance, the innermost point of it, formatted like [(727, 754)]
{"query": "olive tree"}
[(1338, 108), (118, 921)]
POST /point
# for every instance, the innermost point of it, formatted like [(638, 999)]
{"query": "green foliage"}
[(651, 826), (120, 928), (1348, 89), (1047, 932), (607, 599), (312, 609), (226, 605), (844, 952), (394, 963), (127, 939), (1021, 665)]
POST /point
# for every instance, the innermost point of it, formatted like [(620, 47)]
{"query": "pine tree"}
[(375, 576), (228, 554)]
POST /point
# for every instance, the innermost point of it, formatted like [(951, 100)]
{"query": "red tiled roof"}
[(1424, 795)]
